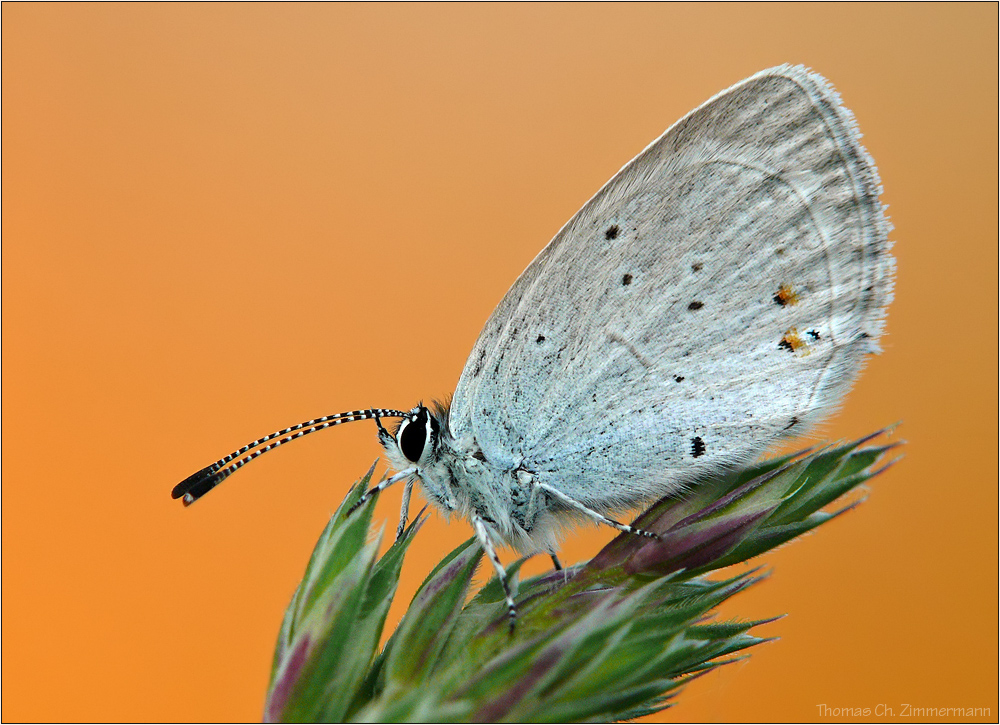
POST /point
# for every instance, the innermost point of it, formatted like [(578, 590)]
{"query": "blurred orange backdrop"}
[(222, 219)]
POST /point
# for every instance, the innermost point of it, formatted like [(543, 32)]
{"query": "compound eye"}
[(412, 436)]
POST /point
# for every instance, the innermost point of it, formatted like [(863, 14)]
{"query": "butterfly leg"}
[(382, 485), (404, 509), (536, 493), (487, 543), (600, 518), (384, 437)]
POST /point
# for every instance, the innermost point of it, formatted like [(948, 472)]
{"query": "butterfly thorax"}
[(456, 477)]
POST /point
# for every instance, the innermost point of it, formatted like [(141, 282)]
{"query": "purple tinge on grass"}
[(692, 531), (286, 679), (693, 546), (441, 580), (496, 709), (545, 661)]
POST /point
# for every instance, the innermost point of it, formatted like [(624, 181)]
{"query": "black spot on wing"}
[(611, 232), (697, 447), (696, 305), (626, 280)]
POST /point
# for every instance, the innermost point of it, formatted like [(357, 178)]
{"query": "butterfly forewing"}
[(720, 291)]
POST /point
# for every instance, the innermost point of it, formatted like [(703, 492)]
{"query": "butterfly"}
[(722, 291)]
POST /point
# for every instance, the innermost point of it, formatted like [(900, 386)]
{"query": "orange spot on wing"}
[(791, 341), (786, 296)]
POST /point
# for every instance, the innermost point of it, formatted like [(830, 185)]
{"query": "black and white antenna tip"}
[(198, 484)]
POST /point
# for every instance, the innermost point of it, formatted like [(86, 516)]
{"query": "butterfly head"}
[(415, 441), (419, 445)]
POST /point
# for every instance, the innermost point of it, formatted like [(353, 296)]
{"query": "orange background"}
[(219, 220)]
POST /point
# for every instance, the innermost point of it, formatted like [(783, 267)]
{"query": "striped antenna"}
[(198, 484)]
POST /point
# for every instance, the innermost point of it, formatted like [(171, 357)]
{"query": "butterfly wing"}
[(721, 291)]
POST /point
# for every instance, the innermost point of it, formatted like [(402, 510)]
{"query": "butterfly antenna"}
[(198, 484)]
